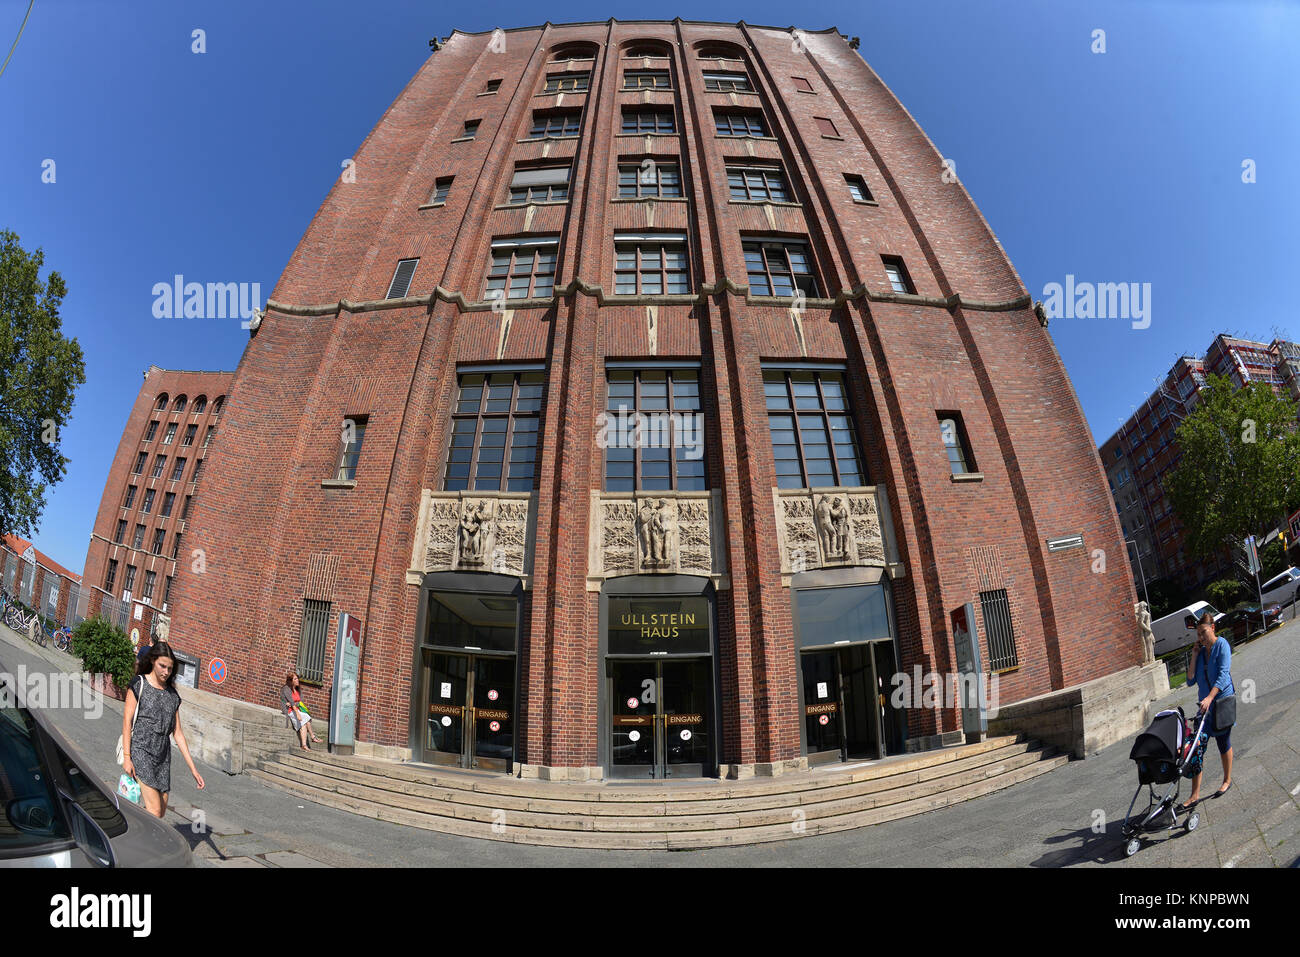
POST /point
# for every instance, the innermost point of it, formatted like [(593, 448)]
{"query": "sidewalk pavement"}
[(1068, 817)]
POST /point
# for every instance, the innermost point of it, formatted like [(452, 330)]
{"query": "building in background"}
[(1142, 453), (731, 234), (38, 581), (137, 537)]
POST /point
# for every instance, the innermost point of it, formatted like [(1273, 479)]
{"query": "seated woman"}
[(295, 710)]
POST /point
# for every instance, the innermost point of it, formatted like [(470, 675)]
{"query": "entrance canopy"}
[(828, 614)]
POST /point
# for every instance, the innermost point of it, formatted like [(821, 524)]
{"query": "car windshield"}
[(31, 815)]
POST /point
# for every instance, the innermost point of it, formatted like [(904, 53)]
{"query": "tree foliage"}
[(40, 370), (1240, 465)]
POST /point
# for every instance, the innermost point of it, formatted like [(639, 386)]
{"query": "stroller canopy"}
[(1163, 739)]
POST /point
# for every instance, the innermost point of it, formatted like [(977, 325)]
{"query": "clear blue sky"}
[(1115, 167)]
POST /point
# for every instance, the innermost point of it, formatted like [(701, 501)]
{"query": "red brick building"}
[(135, 543), (852, 423), (35, 579)]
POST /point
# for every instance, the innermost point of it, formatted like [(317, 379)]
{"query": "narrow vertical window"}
[(401, 278), (354, 433)]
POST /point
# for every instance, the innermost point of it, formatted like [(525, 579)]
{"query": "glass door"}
[(661, 722), (821, 699), (684, 692), (494, 702), (634, 693), (447, 680), (861, 711)]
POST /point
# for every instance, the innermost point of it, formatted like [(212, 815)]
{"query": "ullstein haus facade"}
[(738, 238)]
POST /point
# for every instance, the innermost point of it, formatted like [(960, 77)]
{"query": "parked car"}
[(1241, 623), (1283, 588), (1178, 630), (57, 813)]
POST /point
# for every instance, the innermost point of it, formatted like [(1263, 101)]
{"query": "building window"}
[(757, 183), (899, 280), (567, 83), (641, 52), (354, 433), (524, 269), (802, 85), (180, 404), (200, 404), (311, 642), (742, 123), (813, 444), (645, 80), (161, 404), (153, 430), (176, 545), (111, 576), (207, 436), (190, 431), (138, 541), (727, 83), (547, 184), (494, 432), (471, 130), (177, 469), (149, 579), (669, 452), (441, 187), (649, 178), (858, 189), (492, 86), (185, 509), (168, 501), (129, 583), (121, 532), (401, 282), (650, 265), (147, 506), (826, 127), (216, 406), (777, 268), (198, 467), (167, 591), (953, 432), (648, 121), (158, 462), (998, 631), (554, 124), (171, 434), (130, 496), (139, 463)]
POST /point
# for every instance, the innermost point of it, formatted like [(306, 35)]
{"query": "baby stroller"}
[(1171, 749)]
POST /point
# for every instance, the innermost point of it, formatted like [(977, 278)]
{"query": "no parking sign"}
[(217, 670)]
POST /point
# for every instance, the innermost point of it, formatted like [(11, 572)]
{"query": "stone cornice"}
[(597, 292)]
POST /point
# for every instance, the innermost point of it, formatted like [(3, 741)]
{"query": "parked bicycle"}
[(20, 622), (62, 637)]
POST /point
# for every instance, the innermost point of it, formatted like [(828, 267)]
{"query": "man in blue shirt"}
[(1210, 664)]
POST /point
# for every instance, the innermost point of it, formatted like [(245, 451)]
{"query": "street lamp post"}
[(1133, 542)]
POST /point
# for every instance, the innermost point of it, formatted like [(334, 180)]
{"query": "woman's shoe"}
[(1224, 790)]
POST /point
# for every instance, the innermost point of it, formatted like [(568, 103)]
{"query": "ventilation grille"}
[(402, 278)]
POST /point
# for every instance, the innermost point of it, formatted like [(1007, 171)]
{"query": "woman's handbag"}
[(1225, 712), (120, 753), (129, 788)]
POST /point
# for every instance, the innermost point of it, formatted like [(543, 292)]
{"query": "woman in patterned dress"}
[(146, 753)]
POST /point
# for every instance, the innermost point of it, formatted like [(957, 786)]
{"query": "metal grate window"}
[(311, 643), (997, 630), (401, 279)]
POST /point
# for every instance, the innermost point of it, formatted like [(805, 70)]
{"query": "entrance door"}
[(661, 718), (846, 703), (469, 721)]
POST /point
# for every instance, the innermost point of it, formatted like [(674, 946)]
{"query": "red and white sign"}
[(633, 702), (492, 695), (824, 719), (495, 726)]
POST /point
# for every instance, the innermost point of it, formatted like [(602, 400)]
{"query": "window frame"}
[(644, 73), (751, 118), (642, 243), (574, 82), (392, 292), (960, 444), (513, 415), (351, 450), (642, 189), (638, 478), (159, 464), (515, 249), (768, 174), (178, 468), (793, 410), (785, 245), (655, 114), (441, 189), (543, 120), (857, 184), (899, 276), (548, 189), (725, 82)]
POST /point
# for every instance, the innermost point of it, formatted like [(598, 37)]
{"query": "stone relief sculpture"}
[(485, 532), (665, 525), (475, 526), (834, 529), (656, 523), (667, 534), (1148, 639)]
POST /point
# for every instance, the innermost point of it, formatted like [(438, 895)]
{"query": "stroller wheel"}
[(1132, 847), (1192, 821)]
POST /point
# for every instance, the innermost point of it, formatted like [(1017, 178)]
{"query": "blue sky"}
[(1123, 166)]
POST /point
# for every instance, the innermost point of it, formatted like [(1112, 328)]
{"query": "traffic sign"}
[(217, 670)]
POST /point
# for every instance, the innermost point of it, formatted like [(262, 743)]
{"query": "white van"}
[(1281, 588), (1179, 629)]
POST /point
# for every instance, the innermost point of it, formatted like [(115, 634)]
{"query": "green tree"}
[(40, 370), (1240, 465)]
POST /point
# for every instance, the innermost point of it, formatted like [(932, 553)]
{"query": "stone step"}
[(560, 801), (519, 828), (498, 784)]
